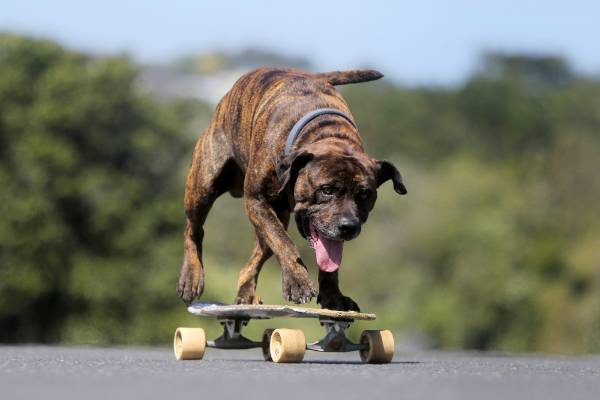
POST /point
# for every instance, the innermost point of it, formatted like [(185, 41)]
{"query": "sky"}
[(412, 42)]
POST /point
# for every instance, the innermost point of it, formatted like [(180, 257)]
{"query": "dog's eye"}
[(327, 190), (363, 194)]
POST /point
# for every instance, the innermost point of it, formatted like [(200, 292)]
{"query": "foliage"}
[(495, 246), (91, 177)]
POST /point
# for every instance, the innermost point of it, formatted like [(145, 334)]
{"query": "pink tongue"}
[(328, 252)]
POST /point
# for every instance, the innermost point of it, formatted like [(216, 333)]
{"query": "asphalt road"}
[(32, 372)]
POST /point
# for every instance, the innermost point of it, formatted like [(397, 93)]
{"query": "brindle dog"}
[(327, 180)]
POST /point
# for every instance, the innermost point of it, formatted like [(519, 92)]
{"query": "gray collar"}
[(302, 122)]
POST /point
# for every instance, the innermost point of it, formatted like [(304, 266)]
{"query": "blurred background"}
[(491, 110)]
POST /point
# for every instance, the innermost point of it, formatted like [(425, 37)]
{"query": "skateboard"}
[(282, 345)]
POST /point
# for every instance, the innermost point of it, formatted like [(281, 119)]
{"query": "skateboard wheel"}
[(266, 344), (287, 345), (189, 343), (380, 347)]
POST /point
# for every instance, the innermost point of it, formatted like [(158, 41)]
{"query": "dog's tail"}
[(346, 77)]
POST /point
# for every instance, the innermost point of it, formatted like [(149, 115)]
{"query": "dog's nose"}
[(348, 227)]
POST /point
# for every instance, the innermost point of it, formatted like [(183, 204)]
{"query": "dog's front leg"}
[(297, 286), (330, 295)]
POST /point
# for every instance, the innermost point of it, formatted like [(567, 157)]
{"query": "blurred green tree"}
[(90, 177)]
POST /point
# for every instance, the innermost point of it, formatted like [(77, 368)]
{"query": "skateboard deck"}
[(268, 311)]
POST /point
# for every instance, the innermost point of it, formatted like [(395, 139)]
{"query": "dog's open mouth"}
[(327, 251)]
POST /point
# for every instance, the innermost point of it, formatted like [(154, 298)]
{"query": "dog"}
[(285, 140)]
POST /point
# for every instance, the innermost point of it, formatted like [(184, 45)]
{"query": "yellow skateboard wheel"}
[(287, 345), (380, 347), (189, 343)]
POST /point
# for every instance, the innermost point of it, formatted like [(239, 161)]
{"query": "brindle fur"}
[(242, 152)]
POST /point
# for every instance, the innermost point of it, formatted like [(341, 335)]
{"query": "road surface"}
[(40, 372)]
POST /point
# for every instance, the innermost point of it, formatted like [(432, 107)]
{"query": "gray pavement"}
[(33, 372)]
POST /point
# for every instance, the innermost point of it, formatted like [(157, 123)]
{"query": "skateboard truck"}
[(335, 338), (232, 337)]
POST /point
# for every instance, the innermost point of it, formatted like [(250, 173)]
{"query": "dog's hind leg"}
[(249, 274), (248, 277), (212, 172)]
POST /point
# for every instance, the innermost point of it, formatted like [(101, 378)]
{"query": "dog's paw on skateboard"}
[(190, 285), (255, 300), (337, 302), (297, 286)]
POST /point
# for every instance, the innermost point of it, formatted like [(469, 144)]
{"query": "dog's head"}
[(332, 190)]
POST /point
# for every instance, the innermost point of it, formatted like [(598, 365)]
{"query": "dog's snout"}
[(349, 228)]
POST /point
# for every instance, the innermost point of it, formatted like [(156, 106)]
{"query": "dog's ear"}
[(290, 167), (385, 170)]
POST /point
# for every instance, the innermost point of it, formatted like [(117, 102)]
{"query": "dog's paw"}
[(190, 284), (337, 302), (248, 300), (297, 286)]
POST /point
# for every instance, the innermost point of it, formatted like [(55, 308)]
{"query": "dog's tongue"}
[(328, 252)]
